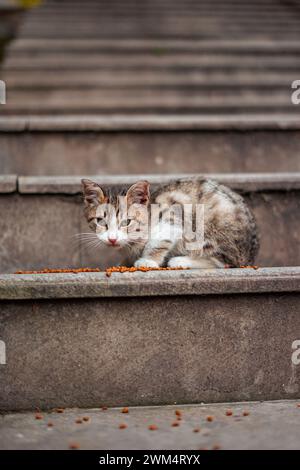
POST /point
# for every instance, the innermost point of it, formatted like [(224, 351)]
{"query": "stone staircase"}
[(120, 90)]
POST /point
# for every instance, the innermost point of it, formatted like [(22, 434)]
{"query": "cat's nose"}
[(113, 241)]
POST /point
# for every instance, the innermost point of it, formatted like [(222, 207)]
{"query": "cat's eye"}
[(101, 221), (125, 223)]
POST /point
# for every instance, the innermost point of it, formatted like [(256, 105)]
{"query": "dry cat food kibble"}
[(124, 269), (209, 419), (50, 424), (175, 424), (216, 447), (196, 430), (74, 446), (108, 271), (59, 410), (152, 427), (78, 421), (60, 271), (123, 426), (38, 416), (246, 413), (178, 413), (125, 410), (228, 413)]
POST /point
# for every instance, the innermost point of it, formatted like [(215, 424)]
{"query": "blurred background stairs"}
[(127, 89)]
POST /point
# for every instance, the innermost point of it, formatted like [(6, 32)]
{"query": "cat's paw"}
[(145, 263), (180, 262)]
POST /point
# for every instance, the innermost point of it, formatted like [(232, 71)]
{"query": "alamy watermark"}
[(295, 97), (184, 222), (296, 352), (2, 353), (2, 92)]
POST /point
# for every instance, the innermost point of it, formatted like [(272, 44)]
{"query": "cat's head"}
[(119, 218)]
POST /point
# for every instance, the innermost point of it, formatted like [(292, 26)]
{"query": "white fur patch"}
[(201, 263), (145, 263)]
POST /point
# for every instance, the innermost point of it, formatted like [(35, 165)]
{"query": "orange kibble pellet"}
[(196, 430), (216, 447), (104, 408), (50, 424), (229, 413), (178, 413), (38, 416), (175, 424), (59, 410), (86, 418), (152, 427), (209, 419), (122, 426), (74, 445), (125, 410), (78, 421), (246, 413)]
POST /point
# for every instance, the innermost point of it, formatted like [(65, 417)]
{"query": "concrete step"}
[(140, 60), (184, 79), (32, 235), (138, 144), (21, 46), (276, 427), (149, 338), (148, 101), (163, 20)]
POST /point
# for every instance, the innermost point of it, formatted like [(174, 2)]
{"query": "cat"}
[(120, 220)]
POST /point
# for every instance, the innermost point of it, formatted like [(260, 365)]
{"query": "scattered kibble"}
[(78, 421), (175, 424), (152, 427), (50, 424), (246, 413), (104, 408), (216, 447), (196, 430), (229, 413), (86, 419), (209, 419), (125, 410), (298, 406), (108, 271), (123, 426), (59, 271), (38, 416), (59, 410), (178, 413), (74, 446)]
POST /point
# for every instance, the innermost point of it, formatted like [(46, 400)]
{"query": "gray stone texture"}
[(131, 152), (149, 350), (269, 425)]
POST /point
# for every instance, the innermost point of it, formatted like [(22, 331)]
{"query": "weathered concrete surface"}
[(123, 152), (269, 425), (39, 224), (158, 283), (243, 182), (152, 349), (8, 184)]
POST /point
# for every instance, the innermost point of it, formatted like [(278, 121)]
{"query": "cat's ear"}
[(139, 193), (93, 194)]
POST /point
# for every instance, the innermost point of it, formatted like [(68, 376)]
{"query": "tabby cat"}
[(124, 219)]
